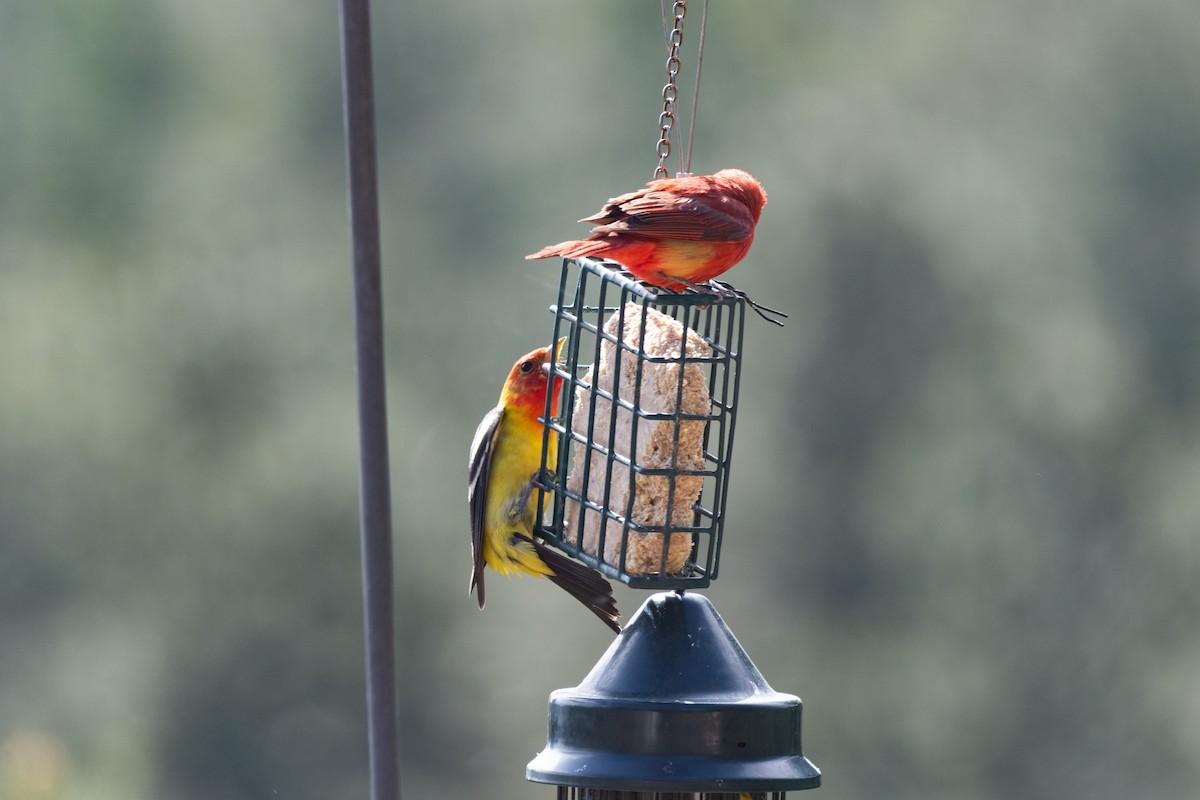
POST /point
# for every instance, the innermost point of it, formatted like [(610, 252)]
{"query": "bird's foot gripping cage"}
[(637, 461)]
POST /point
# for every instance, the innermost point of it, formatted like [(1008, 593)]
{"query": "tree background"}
[(965, 502)]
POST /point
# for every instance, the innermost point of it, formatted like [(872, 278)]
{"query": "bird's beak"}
[(558, 355)]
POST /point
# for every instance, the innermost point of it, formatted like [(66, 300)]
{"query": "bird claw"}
[(759, 308), (544, 479), (719, 289), (726, 291)]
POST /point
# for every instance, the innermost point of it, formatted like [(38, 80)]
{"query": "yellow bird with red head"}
[(504, 463)]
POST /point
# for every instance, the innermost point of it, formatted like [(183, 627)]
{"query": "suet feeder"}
[(650, 389), (673, 709), (635, 485)]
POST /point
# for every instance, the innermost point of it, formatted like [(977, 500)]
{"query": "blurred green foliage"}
[(966, 495)]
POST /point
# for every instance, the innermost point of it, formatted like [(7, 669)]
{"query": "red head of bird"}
[(525, 388), (744, 187)]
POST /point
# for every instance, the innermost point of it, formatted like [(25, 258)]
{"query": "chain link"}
[(666, 120)]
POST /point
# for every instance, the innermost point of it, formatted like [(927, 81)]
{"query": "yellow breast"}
[(516, 458)]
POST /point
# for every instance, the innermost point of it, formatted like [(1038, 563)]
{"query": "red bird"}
[(677, 232)]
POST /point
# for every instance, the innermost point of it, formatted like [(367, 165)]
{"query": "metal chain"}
[(666, 120)]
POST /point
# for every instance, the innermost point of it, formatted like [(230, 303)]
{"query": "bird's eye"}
[(527, 366)]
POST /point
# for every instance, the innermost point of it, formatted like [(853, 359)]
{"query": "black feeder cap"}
[(675, 704)]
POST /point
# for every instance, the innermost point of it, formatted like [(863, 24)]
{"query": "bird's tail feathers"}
[(570, 249), (583, 583), (477, 583), (559, 249)]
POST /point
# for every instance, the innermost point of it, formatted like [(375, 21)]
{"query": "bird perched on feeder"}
[(504, 465), (677, 232)]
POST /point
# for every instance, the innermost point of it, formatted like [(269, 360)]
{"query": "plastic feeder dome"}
[(675, 705)]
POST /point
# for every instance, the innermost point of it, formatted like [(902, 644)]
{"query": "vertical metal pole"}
[(374, 499)]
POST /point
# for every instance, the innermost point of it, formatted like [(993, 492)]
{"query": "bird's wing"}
[(612, 210), (478, 471), (667, 215)]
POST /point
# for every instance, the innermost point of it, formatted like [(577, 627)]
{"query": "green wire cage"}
[(644, 434)]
